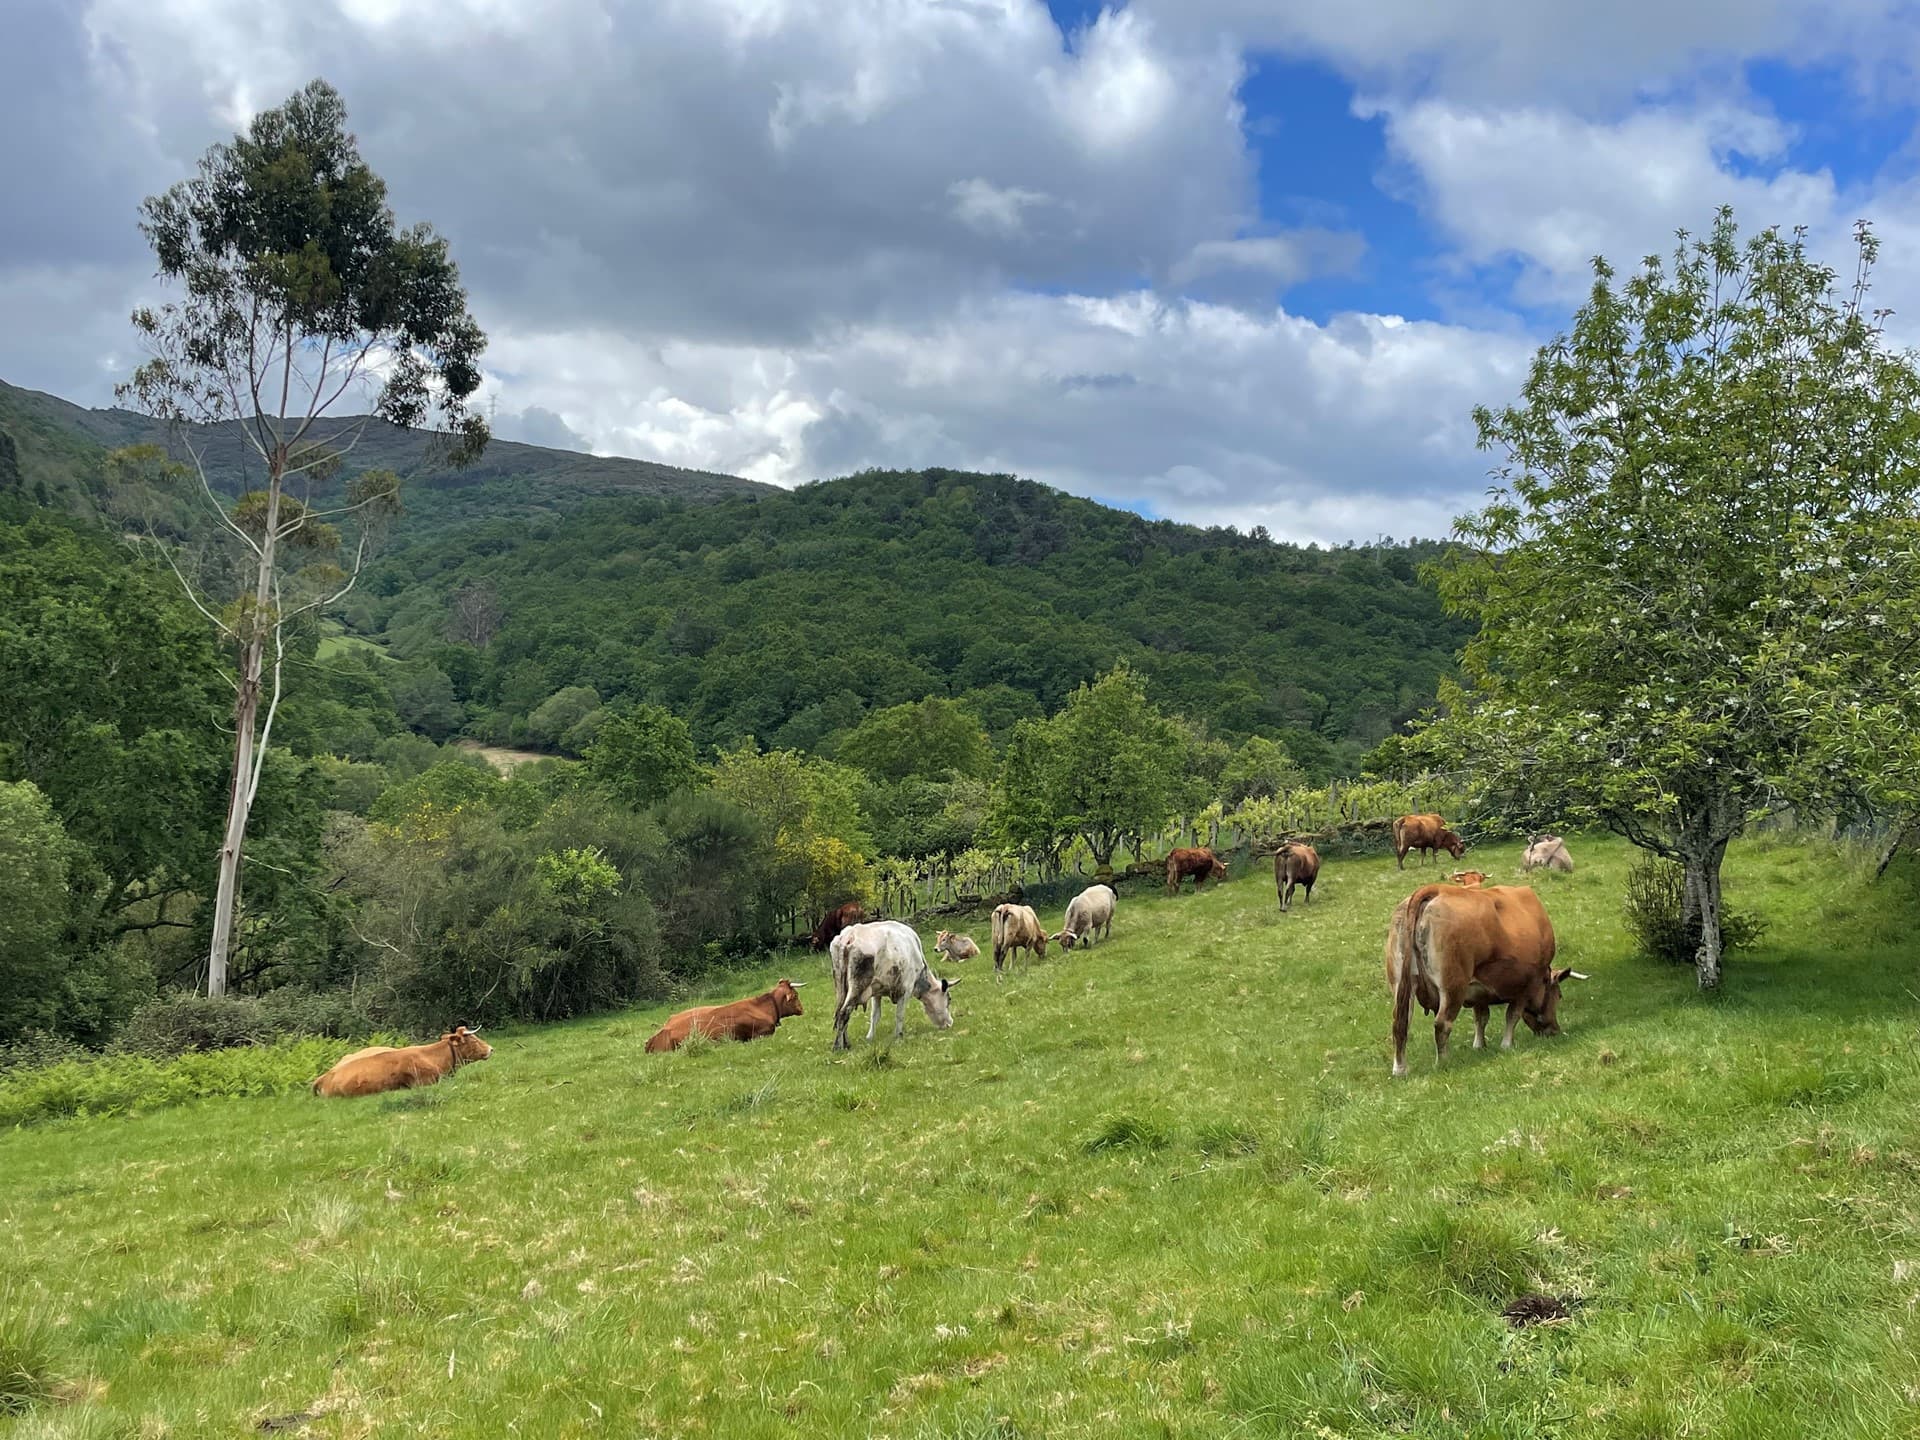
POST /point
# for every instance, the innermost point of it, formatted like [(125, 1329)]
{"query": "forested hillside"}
[(787, 616), (59, 452)]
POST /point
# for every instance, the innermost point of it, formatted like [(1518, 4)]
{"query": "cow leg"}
[(1309, 892), (1480, 1027), (1513, 1015), (840, 1014), (899, 1016), (1443, 1025), (873, 1017)]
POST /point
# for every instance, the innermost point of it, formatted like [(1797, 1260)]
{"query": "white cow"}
[(882, 960), (1549, 852), (1090, 910)]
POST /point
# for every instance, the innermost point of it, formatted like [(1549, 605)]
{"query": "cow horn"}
[(796, 984), (1576, 975)]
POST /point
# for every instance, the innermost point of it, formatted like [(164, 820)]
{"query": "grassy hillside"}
[(1162, 1188), (60, 444)]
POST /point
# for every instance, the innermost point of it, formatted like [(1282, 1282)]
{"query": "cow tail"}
[(1403, 954), (1399, 825)]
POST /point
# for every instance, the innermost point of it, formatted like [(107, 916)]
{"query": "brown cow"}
[(1425, 833), (1295, 863), (754, 1018), (1200, 862), (1016, 927), (1449, 947), (837, 919), (382, 1067), (1468, 879), (955, 946)]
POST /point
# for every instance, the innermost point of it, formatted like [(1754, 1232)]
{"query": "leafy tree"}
[(9, 462), (475, 613), (561, 712), (35, 855), (926, 739), (1107, 766), (423, 697), (644, 754), (1259, 769), (299, 288), (1699, 576)]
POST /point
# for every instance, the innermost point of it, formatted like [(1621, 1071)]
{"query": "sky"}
[(1247, 262)]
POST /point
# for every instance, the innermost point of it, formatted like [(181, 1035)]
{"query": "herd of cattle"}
[(1461, 944)]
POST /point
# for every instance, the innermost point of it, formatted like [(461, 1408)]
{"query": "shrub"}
[(183, 1024), (37, 1049), (1654, 907)]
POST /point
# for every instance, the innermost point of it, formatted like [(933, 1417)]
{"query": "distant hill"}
[(59, 446)]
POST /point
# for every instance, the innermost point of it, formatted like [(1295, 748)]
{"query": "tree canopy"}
[(1702, 567)]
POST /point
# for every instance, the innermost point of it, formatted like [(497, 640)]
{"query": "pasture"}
[(1163, 1187)]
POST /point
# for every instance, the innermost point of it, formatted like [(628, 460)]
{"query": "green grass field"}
[(335, 641), (1162, 1188)]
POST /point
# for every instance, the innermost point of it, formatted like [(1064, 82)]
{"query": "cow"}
[(836, 920), (1448, 947), (955, 946), (1548, 852), (1425, 833), (384, 1067), (882, 960), (1201, 863), (1016, 927), (1468, 879), (1090, 910), (754, 1018), (1295, 863)]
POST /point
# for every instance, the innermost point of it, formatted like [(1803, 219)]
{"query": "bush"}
[(1654, 909), (38, 1049), (177, 1025)]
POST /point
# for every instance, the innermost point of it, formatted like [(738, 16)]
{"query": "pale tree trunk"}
[(246, 716), (1700, 858)]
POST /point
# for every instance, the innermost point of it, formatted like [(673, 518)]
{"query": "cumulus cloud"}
[(792, 238)]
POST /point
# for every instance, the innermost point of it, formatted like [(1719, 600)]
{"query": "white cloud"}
[(1284, 259), (990, 208)]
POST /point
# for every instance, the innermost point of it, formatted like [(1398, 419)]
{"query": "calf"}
[(955, 946), (1295, 864), (751, 1019), (1016, 927), (1425, 833), (1090, 910), (382, 1067), (1200, 862), (879, 961), (1547, 852), (1448, 947)]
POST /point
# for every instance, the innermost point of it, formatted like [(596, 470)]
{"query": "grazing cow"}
[(955, 946), (836, 920), (1090, 910), (1547, 852), (1201, 863), (383, 1067), (1295, 863), (1449, 947), (1425, 833), (1468, 879), (754, 1018), (1016, 927), (882, 960)]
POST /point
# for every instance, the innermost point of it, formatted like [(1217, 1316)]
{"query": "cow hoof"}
[(1399, 1071)]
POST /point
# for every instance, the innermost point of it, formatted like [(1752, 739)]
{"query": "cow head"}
[(467, 1044), (785, 1001), (939, 1009), (1545, 1018), (1066, 939), (1215, 869), (1452, 844), (1472, 879)]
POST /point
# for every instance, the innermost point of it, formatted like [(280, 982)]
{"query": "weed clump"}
[(1126, 1132), (28, 1356)]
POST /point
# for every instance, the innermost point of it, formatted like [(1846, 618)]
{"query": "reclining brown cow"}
[(384, 1067), (754, 1018), (1448, 946)]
